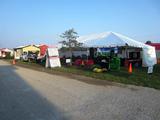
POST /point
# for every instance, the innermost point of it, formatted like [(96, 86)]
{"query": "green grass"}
[(139, 76)]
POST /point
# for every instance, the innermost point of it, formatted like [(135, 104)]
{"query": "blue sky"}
[(42, 21)]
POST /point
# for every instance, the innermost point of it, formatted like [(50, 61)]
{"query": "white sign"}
[(52, 58), (53, 52), (54, 62), (68, 60), (150, 70)]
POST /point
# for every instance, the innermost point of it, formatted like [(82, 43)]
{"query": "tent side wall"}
[(149, 56)]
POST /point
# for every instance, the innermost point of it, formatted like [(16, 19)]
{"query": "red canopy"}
[(43, 49), (156, 45)]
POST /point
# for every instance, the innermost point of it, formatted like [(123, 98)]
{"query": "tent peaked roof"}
[(109, 39)]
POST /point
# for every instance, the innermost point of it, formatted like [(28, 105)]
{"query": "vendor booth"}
[(127, 49)]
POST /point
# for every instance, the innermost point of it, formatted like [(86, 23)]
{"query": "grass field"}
[(139, 76)]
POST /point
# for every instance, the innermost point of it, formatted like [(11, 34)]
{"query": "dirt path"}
[(27, 94)]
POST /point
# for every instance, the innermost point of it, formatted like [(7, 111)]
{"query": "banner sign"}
[(52, 58), (150, 70)]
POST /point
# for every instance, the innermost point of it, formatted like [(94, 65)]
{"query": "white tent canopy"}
[(108, 39), (112, 39)]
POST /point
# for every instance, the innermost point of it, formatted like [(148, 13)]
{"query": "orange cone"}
[(13, 62), (130, 68), (82, 62)]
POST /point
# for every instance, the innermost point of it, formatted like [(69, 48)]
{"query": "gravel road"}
[(27, 94)]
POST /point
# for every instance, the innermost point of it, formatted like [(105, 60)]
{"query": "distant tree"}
[(70, 40), (148, 42)]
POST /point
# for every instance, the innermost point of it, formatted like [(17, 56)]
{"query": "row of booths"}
[(42, 54), (126, 55), (107, 49)]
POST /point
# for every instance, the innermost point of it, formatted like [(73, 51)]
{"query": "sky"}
[(42, 21)]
